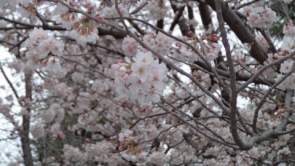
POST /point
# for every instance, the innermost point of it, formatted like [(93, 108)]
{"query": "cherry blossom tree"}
[(148, 82)]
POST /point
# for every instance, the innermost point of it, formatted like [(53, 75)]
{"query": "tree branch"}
[(24, 133), (242, 32)]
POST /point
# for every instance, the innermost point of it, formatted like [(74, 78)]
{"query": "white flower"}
[(286, 66), (260, 16), (140, 70), (138, 84), (157, 81), (33, 59), (53, 64), (142, 66), (66, 19), (288, 43), (37, 34), (144, 82), (247, 10), (59, 112), (60, 8), (71, 153), (48, 116), (158, 75), (56, 131), (77, 77), (129, 46), (140, 96), (37, 130), (149, 40), (144, 58), (154, 96), (163, 44), (284, 151), (84, 31), (289, 82), (56, 47), (109, 12), (158, 158), (44, 48), (157, 9), (25, 3), (124, 135)]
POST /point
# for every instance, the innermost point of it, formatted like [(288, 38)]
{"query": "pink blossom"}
[(56, 131), (37, 35), (140, 70), (37, 130), (129, 46), (286, 66), (288, 43)]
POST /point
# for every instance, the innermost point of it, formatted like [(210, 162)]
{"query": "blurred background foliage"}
[(284, 12)]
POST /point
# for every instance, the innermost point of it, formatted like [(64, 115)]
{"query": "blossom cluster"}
[(66, 18), (160, 43), (54, 115), (210, 48), (141, 78), (287, 47), (44, 50), (104, 122), (157, 9), (82, 30), (110, 12), (129, 46), (258, 17)]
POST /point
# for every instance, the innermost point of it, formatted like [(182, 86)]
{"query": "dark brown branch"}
[(233, 90), (205, 14), (101, 31), (191, 17), (16, 22), (9, 83), (160, 24), (24, 133), (17, 44), (139, 8), (176, 19), (242, 32), (268, 39), (136, 27), (183, 26)]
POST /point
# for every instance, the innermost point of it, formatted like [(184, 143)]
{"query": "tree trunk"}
[(24, 134)]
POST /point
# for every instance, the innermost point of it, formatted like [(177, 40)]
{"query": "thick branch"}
[(233, 92), (191, 17), (24, 134), (183, 26), (205, 14), (176, 19), (242, 32)]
